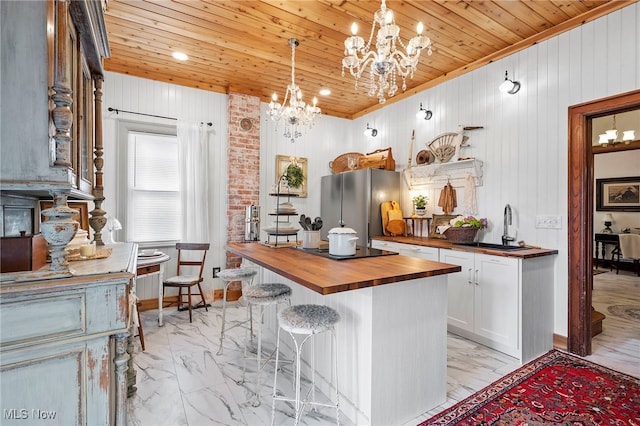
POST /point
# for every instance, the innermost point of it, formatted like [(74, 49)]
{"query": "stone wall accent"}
[(243, 159)]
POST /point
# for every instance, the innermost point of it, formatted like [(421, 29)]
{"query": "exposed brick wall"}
[(243, 159)]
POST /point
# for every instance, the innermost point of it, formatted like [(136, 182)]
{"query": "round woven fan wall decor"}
[(444, 146)]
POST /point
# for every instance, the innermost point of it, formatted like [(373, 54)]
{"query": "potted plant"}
[(420, 203), (469, 222)]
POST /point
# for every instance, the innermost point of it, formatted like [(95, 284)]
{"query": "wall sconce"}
[(509, 86), (608, 220), (370, 131), (424, 113)]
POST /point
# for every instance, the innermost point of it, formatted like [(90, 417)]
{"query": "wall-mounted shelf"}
[(434, 175)]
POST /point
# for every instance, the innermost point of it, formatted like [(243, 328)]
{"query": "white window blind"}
[(153, 208)]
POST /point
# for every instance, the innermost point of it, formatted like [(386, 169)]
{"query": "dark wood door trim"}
[(580, 215)]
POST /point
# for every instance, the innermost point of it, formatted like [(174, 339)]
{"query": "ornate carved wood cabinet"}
[(64, 332), (64, 355), (51, 133)]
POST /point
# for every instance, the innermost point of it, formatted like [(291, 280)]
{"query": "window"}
[(153, 209)]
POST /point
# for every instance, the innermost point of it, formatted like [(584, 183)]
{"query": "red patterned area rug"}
[(554, 389)]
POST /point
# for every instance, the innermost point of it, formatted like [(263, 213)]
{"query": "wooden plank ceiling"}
[(241, 46)]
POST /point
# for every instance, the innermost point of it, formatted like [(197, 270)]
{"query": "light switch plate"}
[(548, 221)]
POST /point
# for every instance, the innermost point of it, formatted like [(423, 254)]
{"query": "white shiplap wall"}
[(169, 100), (523, 144)]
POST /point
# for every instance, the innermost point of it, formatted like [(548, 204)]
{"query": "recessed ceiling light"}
[(180, 56), (325, 92)]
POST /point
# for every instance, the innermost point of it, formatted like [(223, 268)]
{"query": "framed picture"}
[(17, 219), (439, 220), (618, 194), (81, 206), (282, 163)]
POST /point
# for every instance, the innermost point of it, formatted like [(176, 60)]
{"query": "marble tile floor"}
[(181, 380)]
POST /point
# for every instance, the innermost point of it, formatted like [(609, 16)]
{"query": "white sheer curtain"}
[(194, 181)]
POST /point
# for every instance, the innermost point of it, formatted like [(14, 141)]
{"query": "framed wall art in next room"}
[(618, 194)]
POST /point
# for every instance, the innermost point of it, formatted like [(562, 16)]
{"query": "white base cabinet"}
[(505, 303), (411, 250)]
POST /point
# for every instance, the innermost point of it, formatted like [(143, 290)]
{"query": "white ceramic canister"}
[(342, 241)]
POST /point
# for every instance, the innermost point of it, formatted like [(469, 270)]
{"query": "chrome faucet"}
[(507, 221)]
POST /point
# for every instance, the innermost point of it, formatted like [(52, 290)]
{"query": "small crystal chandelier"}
[(296, 113), (385, 61)]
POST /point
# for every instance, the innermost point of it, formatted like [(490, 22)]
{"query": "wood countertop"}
[(442, 243), (327, 276)]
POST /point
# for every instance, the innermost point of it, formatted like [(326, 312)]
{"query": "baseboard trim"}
[(151, 304), (559, 342)]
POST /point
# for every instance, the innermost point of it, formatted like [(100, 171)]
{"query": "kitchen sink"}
[(494, 246)]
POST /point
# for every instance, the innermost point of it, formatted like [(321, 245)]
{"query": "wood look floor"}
[(181, 380)]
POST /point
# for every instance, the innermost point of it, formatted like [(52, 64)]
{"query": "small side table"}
[(417, 225), (152, 265), (601, 241)]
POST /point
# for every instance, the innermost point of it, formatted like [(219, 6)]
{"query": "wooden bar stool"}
[(306, 321)]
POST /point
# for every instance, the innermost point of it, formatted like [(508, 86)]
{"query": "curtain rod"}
[(149, 115)]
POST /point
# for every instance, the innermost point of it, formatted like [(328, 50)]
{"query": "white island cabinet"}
[(392, 340), (503, 302), (64, 343)]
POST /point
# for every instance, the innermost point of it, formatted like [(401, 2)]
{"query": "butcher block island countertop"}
[(327, 276), (392, 334)]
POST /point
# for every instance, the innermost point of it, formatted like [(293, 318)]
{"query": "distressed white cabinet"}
[(52, 53), (505, 303), (63, 343)]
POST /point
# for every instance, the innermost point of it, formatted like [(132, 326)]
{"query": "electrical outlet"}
[(216, 269), (548, 221)]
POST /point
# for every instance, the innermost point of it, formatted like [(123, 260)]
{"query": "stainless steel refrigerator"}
[(353, 199)]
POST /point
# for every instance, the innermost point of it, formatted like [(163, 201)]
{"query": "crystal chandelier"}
[(385, 62), (296, 113)]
